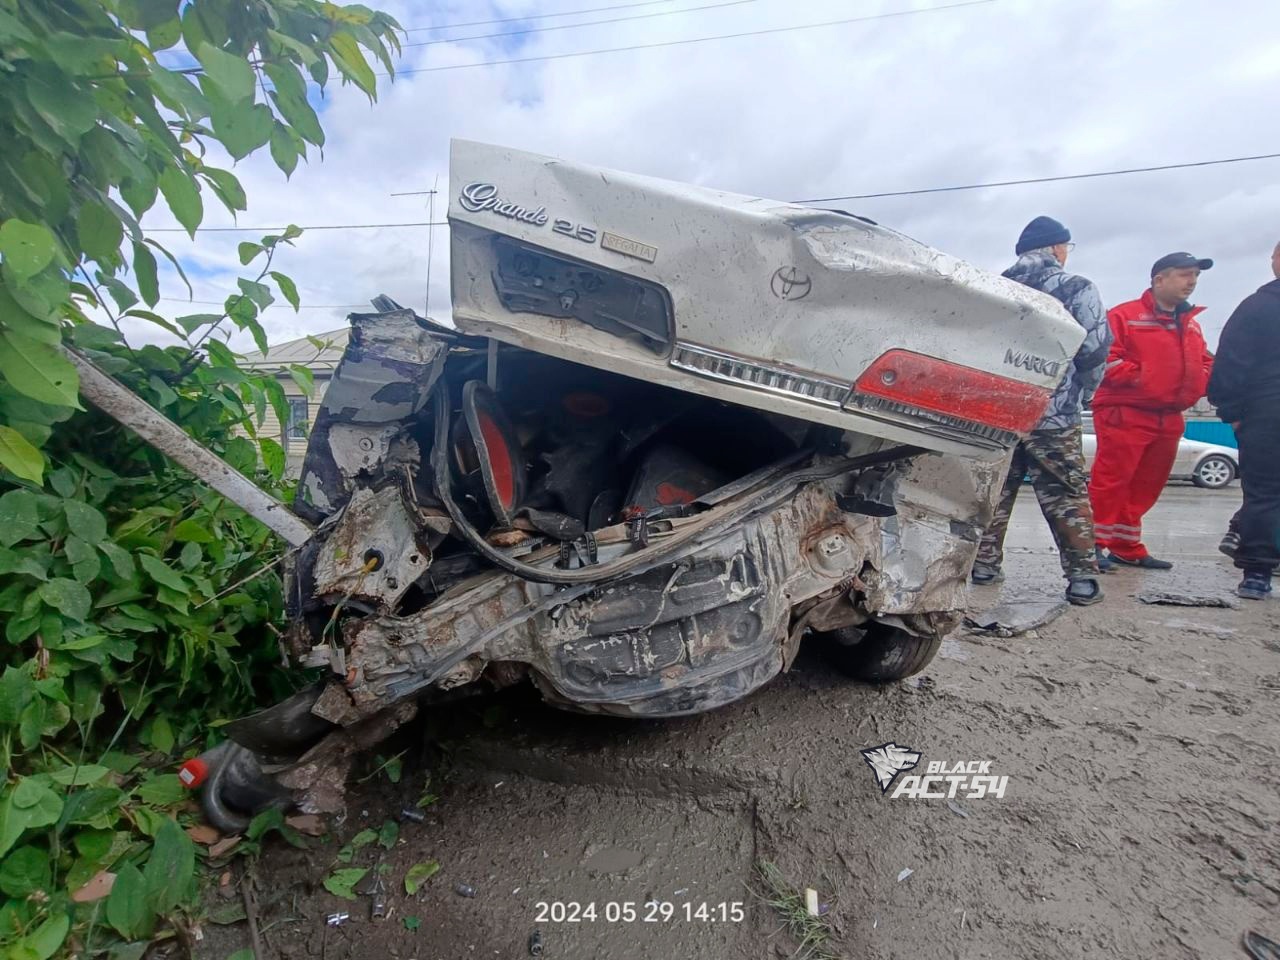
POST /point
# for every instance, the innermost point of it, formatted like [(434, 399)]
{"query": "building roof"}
[(302, 351)]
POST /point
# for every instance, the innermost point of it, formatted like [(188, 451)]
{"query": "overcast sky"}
[(1008, 89)]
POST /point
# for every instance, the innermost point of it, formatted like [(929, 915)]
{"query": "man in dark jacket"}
[(1053, 454), (1158, 367), (1245, 388)]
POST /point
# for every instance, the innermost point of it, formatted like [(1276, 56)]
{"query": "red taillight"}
[(951, 388)]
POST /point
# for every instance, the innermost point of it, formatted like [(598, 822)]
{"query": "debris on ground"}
[(1168, 599), (906, 872), (464, 890), (337, 919), (958, 810), (811, 901), (1016, 617), (1261, 948), (535, 944)]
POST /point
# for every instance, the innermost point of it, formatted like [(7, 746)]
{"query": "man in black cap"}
[(1245, 388), (1053, 454), (1158, 367)]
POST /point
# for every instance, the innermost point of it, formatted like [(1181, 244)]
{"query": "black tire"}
[(1218, 468), (878, 653)]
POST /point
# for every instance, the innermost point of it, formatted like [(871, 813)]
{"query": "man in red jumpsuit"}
[(1158, 367)]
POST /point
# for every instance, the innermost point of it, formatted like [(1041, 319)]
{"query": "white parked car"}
[(1206, 465)]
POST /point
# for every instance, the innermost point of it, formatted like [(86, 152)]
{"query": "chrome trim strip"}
[(749, 373)]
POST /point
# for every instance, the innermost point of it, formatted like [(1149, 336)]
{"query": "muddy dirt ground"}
[(1141, 743)]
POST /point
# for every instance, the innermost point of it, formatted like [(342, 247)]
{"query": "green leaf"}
[(25, 871), (120, 559), (79, 776), (170, 871), (127, 908), (351, 61), (44, 941), (19, 518), (165, 35), (144, 268), (66, 596), (287, 288), (173, 261), (300, 116), (27, 247), (45, 329), (259, 293), (388, 835), (183, 196), (99, 230), (38, 370), (67, 109), (44, 295), (248, 250), (232, 75), (419, 874), (244, 954), (162, 734), (242, 130), (19, 457), (227, 187), (178, 93), (25, 562), (162, 790), (86, 806), (139, 193), (94, 845), (412, 924), (284, 149), (189, 531), (86, 521), (273, 457), (162, 573), (303, 378), (341, 883), (85, 564), (16, 690), (29, 804), (120, 293)]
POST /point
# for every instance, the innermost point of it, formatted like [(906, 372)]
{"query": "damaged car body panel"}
[(675, 433)]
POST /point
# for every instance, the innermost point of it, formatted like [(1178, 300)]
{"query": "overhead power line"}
[(325, 226), (574, 26), (305, 306), (690, 40), (1069, 176), (539, 16), (858, 196)]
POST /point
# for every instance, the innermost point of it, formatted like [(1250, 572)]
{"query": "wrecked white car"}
[(672, 433)]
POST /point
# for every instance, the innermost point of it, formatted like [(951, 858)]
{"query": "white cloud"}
[(1011, 89)]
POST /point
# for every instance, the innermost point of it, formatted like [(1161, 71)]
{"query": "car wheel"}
[(1214, 472), (878, 653)]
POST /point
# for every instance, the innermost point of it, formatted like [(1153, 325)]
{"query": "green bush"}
[(132, 620)]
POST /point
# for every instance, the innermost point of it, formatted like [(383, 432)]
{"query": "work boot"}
[(1146, 563), (1084, 591), (1104, 562), (1230, 544), (1256, 585), (984, 574)]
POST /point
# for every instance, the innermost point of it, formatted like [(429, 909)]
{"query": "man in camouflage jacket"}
[(1053, 454)]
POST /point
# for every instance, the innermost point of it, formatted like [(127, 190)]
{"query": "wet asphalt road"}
[(1186, 523)]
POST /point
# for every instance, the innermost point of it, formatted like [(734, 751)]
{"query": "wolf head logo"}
[(888, 760)]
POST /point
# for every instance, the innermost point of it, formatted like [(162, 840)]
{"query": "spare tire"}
[(878, 652)]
